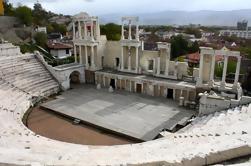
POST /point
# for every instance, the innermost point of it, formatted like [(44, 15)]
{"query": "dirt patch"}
[(60, 128)]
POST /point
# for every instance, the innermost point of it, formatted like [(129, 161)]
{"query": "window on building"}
[(67, 51), (150, 65)]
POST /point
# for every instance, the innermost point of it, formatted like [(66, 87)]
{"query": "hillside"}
[(11, 30)]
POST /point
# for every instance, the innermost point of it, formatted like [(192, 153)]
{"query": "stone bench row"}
[(215, 122), (24, 74), (16, 59), (19, 67)]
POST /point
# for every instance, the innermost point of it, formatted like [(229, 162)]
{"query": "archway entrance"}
[(139, 88), (112, 83), (169, 94), (74, 78)]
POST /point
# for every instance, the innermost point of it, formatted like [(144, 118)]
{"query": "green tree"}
[(195, 47), (231, 67), (54, 27), (179, 46), (193, 31), (232, 38), (62, 29), (218, 70), (24, 13), (8, 8), (112, 31), (41, 39), (245, 51), (40, 15), (49, 28)]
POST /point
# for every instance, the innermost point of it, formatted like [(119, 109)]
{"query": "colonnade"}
[(226, 55)]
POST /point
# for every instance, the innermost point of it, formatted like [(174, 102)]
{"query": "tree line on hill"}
[(37, 16)]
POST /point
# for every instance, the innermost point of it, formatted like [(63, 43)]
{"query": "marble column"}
[(187, 98), (167, 63), (130, 85), (181, 98), (154, 66), (212, 70), (74, 30), (75, 53), (223, 82), (85, 29), (122, 31), (97, 30), (174, 93), (104, 81), (129, 62), (142, 45), (122, 58), (137, 59), (201, 68), (137, 32), (79, 30), (158, 66), (80, 55), (130, 31), (86, 57), (92, 38), (237, 72), (142, 88), (92, 57), (94, 30)]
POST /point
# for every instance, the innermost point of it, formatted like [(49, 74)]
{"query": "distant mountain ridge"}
[(203, 17)]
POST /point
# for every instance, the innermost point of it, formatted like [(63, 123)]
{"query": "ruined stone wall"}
[(145, 57), (101, 51), (182, 69), (111, 52)]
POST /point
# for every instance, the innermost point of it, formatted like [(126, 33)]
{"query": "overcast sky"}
[(100, 7)]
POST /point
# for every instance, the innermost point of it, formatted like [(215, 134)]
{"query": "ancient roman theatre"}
[(164, 115)]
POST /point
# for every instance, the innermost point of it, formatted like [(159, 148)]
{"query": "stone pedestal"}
[(181, 102), (111, 89), (98, 86), (211, 83)]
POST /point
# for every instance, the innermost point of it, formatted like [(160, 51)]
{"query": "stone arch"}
[(74, 77)]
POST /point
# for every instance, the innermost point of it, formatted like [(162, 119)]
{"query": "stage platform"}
[(133, 115)]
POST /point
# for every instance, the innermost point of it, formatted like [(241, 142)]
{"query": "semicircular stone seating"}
[(209, 139)]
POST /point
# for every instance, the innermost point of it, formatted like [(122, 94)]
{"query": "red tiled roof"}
[(58, 45), (195, 57), (219, 58)]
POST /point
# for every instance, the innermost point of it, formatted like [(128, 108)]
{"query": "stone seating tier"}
[(28, 74), (208, 140)]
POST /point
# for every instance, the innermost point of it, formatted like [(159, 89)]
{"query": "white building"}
[(60, 50), (238, 33), (41, 29)]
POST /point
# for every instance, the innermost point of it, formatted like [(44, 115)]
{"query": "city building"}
[(59, 50), (242, 31), (242, 25), (41, 29)]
